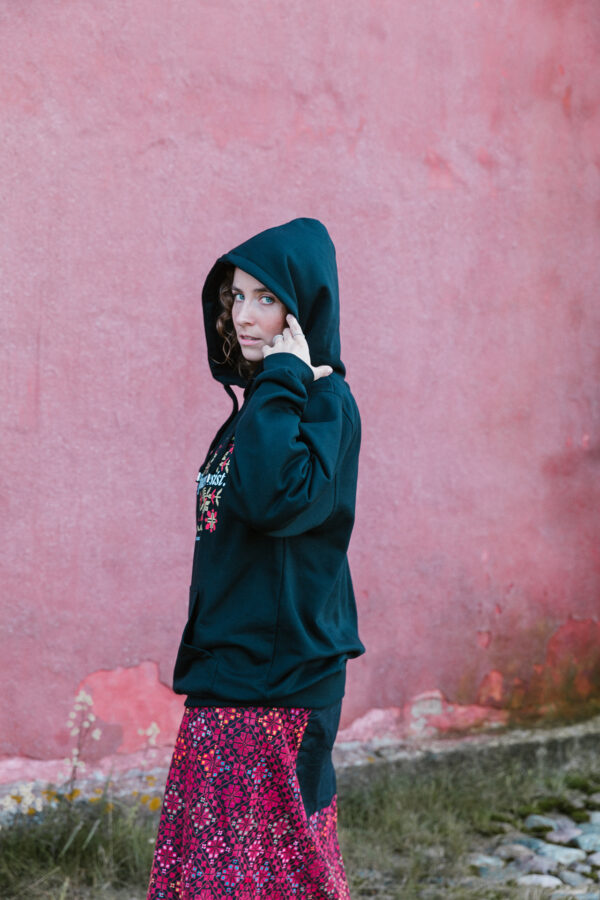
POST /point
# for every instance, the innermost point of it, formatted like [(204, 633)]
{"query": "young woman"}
[(250, 806)]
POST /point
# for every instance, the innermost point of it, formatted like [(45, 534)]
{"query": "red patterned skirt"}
[(233, 822)]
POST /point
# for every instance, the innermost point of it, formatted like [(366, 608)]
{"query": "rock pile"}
[(553, 850)]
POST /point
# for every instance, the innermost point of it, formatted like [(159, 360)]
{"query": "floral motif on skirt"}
[(233, 823)]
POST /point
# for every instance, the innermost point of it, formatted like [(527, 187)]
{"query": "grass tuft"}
[(404, 834), (74, 847), (578, 782)]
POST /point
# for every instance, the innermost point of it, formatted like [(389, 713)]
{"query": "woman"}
[(250, 806)]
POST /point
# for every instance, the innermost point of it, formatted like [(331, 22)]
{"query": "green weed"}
[(57, 845), (404, 834), (74, 846)]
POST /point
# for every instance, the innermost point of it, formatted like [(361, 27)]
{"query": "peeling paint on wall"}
[(427, 715), (132, 707)]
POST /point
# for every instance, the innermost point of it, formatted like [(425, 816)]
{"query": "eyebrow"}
[(259, 290)]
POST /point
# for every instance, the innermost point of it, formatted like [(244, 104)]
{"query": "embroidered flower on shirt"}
[(211, 481), (210, 521)]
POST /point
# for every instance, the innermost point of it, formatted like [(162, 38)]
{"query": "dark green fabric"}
[(272, 616), (314, 765)]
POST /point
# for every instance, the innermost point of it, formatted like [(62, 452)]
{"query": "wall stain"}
[(441, 174), (565, 686)]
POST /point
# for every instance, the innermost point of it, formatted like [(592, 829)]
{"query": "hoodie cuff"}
[(289, 362)]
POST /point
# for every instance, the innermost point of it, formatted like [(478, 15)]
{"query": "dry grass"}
[(404, 834)]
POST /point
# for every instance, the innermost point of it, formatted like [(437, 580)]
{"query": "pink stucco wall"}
[(453, 150)]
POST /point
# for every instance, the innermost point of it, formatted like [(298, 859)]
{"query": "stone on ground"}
[(539, 881), (589, 842), (574, 879)]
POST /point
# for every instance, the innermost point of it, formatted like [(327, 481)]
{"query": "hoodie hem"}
[(330, 690)]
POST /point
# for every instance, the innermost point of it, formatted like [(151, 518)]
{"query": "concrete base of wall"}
[(563, 746), (144, 774)]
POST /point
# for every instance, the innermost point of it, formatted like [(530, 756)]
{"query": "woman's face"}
[(257, 315)]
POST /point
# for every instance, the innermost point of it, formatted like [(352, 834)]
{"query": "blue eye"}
[(267, 300), (238, 297)]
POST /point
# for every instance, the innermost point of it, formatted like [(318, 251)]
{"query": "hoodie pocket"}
[(193, 609), (195, 668)]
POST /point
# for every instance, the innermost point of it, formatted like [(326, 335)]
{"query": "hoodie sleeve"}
[(288, 444)]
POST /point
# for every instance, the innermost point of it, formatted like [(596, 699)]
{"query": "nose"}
[(242, 312)]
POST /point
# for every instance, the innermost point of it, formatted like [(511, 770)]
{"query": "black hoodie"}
[(272, 617)]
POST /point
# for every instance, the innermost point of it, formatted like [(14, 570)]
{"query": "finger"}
[(277, 338), (295, 328), (322, 371)]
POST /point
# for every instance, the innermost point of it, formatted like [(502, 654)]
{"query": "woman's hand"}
[(293, 341)]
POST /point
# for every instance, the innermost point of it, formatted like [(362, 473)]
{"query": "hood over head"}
[(296, 261)]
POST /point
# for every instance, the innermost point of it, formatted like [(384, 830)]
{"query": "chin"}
[(251, 355)]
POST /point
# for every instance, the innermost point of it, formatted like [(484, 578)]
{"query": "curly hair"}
[(232, 351)]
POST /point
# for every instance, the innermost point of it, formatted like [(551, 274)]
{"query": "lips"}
[(248, 339)]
